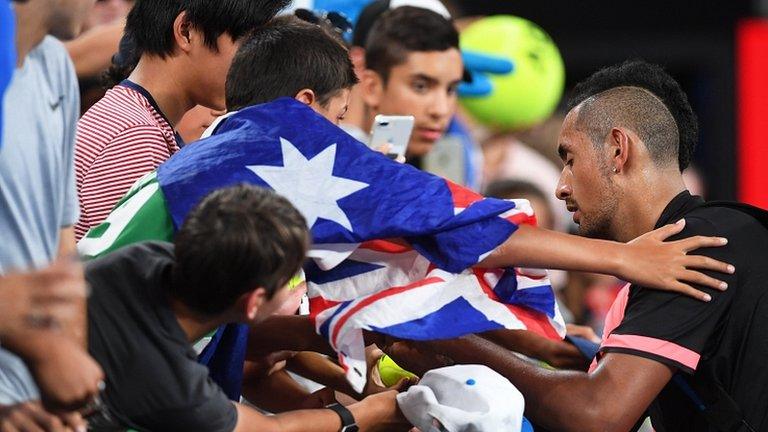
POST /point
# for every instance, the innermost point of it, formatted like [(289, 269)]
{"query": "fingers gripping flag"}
[(393, 247)]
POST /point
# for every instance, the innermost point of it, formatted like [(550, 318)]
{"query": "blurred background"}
[(716, 49)]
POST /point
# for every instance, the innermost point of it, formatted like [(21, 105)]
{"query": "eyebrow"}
[(427, 78)]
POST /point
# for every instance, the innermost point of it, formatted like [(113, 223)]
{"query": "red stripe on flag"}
[(388, 246), (534, 321), (319, 304), (462, 197), (373, 299), (522, 219)]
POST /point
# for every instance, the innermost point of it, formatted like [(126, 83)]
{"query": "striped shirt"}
[(120, 139)]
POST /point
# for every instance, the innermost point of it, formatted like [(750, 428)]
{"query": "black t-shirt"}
[(153, 379), (723, 343)]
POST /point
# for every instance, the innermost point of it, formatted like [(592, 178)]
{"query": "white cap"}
[(433, 5), (471, 398)]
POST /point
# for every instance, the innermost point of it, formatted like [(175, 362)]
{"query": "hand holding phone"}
[(392, 133)]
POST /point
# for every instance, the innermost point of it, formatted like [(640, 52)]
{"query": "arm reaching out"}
[(377, 412), (647, 260)]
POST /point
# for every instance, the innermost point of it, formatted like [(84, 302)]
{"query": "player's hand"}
[(374, 383), (42, 299), (31, 417), (666, 266), (67, 376)]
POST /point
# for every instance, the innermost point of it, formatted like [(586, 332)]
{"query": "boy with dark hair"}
[(184, 49), (230, 262), (323, 84), (414, 67), (291, 58)]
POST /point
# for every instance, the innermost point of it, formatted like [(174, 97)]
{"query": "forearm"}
[(92, 52), (557, 353), (291, 333), (29, 344), (77, 327), (539, 248), (369, 415), (275, 393), (557, 400), (321, 370)]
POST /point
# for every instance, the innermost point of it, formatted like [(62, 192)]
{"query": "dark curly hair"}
[(652, 78)]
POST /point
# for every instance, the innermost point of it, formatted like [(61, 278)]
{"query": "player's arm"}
[(648, 260), (377, 412), (612, 398), (285, 333)]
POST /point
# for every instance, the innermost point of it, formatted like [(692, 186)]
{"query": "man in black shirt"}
[(699, 366), (230, 262)]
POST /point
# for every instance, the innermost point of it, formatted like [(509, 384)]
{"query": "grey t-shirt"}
[(37, 178)]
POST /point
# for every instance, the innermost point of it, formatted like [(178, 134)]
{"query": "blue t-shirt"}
[(37, 176), (7, 52)]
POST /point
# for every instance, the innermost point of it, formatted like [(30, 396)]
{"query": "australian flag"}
[(394, 248)]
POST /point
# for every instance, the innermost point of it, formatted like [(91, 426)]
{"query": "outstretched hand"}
[(666, 266)]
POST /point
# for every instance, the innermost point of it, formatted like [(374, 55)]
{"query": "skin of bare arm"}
[(291, 333), (647, 260), (374, 413), (610, 399), (557, 353), (92, 52)]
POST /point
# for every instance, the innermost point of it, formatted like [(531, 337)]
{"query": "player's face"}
[(585, 183), (336, 107), (424, 86)]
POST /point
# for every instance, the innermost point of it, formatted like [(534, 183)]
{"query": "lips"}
[(429, 134), (576, 212), (577, 217)]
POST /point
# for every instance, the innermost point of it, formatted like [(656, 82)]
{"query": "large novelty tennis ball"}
[(531, 92), (390, 372)]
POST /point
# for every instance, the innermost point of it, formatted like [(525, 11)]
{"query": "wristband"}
[(347, 419)]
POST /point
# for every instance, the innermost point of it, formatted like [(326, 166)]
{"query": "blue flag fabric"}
[(348, 193)]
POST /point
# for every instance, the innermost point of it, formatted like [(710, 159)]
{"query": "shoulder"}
[(57, 67), (724, 220), (136, 256), (121, 110)]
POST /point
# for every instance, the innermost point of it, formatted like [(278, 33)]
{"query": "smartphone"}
[(392, 130)]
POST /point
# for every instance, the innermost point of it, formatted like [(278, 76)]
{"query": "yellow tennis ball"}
[(532, 91), (390, 372)]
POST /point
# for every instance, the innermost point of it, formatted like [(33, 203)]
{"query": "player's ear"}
[(620, 143), (372, 86), (306, 96), (253, 300)]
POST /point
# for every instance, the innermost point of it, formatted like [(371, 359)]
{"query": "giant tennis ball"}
[(390, 372), (531, 92)]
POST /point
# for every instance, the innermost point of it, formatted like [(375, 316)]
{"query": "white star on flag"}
[(309, 184)]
